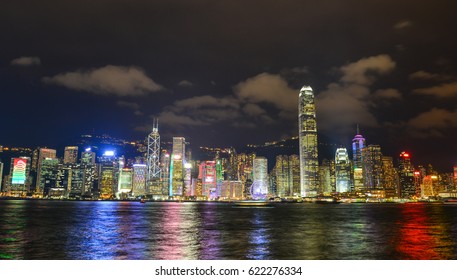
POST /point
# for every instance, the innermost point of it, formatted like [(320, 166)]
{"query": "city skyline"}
[(230, 76)]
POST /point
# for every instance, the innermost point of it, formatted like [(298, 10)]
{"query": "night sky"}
[(227, 73)]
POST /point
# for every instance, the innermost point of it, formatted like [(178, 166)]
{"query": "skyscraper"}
[(42, 154), (342, 171), (358, 143), (307, 128), (153, 185), (19, 174), (177, 167), (70, 154), (260, 178), (406, 175), (372, 168)]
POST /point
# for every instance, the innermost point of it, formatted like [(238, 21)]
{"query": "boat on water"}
[(142, 200), (327, 200), (450, 201), (252, 203)]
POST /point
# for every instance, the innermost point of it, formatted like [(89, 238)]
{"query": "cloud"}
[(433, 123), (351, 101), (340, 107), (441, 91), (108, 80), (185, 83), (131, 105), (268, 88), (362, 72), (389, 93), (403, 24), (201, 111), (26, 61), (423, 75)]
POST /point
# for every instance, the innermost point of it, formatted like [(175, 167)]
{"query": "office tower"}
[(342, 171), (389, 177), (325, 177), (76, 184), (372, 168), (282, 174), (139, 179), (233, 167), (358, 143), (294, 169), (19, 177), (176, 187), (42, 154), (208, 176), (406, 176), (165, 165), (259, 188), (63, 181), (106, 173), (125, 183), (153, 185), (187, 179), (49, 170), (88, 157), (272, 183), (1, 175), (219, 176), (70, 155), (309, 166)]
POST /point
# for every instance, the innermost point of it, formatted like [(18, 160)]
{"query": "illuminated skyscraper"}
[(342, 171), (42, 154), (19, 174), (177, 167), (70, 155), (260, 178), (107, 170), (406, 175), (88, 157), (208, 176), (282, 174), (372, 168), (153, 185), (389, 177), (358, 143), (139, 179), (125, 183), (307, 128), (1, 175)]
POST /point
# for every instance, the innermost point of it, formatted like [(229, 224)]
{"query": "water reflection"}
[(422, 234), (13, 227), (259, 237)]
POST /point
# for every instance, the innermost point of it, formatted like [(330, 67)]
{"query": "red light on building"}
[(417, 173), (404, 154)]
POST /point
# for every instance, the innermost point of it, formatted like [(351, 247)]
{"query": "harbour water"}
[(88, 230)]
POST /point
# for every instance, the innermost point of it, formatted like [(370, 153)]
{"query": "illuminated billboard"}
[(19, 170)]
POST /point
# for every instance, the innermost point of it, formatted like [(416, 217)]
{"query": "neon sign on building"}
[(19, 169)]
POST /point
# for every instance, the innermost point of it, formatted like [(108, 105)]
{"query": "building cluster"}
[(164, 174)]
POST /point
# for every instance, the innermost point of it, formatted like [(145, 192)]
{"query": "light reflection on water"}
[(131, 230)]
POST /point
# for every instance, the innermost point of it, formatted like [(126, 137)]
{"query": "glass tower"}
[(307, 128)]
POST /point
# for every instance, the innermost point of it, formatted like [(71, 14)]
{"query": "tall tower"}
[(307, 128), (70, 155), (358, 143), (260, 178), (153, 161), (342, 171)]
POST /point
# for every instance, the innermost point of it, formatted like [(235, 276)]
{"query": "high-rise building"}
[(307, 128), (259, 188), (406, 176), (42, 154), (107, 170), (177, 167), (70, 155), (358, 143), (372, 168), (139, 179), (49, 170), (389, 177), (125, 183), (327, 177), (19, 175), (88, 157), (153, 184), (1, 175), (282, 173), (342, 171), (208, 176)]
